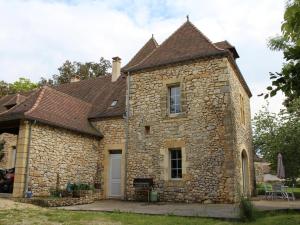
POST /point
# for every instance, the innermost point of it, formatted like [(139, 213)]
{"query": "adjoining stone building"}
[(177, 113)]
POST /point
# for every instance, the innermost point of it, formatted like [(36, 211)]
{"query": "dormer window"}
[(114, 103)]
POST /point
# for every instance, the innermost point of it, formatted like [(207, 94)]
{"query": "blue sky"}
[(37, 36)]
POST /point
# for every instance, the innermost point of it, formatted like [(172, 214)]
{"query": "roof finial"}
[(152, 35), (187, 17)]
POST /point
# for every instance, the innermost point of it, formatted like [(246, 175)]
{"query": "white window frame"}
[(176, 97), (177, 168)]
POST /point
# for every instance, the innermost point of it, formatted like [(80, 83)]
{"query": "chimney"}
[(75, 79), (116, 68)]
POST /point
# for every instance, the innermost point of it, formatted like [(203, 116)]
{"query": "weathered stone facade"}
[(242, 132), (205, 131), (113, 131), (10, 143), (60, 154)]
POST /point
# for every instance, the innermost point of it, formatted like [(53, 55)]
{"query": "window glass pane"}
[(176, 163), (174, 96), (179, 173), (174, 174), (179, 164)]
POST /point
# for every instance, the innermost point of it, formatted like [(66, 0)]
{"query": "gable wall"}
[(203, 132)]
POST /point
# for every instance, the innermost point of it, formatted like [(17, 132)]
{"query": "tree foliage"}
[(279, 133), (79, 70), (21, 85), (288, 80)]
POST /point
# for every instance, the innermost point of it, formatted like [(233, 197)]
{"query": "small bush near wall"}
[(247, 210)]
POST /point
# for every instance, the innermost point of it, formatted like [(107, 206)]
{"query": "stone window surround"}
[(165, 105), (242, 150), (165, 163), (179, 175)]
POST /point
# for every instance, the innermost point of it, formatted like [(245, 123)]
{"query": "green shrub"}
[(247, 211)]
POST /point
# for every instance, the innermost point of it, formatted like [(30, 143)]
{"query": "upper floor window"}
[(174, 99), (176, 163)]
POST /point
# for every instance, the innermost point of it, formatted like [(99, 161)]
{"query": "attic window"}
[(9, 106), (114, 103)]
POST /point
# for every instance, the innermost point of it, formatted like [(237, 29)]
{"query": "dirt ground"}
[(6, 204)]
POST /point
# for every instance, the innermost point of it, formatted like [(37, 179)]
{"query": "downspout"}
[(27, 161), (127, 132)]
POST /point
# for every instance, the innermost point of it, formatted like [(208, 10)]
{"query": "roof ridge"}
[(206, 38), (139, 52), (170, 36), (39, 98)]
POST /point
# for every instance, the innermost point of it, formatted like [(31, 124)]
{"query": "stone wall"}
[(58, 156), (203, 131), (242, 131), (10, 140), (113, 130)]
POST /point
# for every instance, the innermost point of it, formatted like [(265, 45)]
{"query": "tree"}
[(4, 88), (279, 133), (22, 85), (80, 70), (288, 80)]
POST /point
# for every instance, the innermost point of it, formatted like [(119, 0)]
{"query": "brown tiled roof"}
[(71, 105), (226, 45), (184, 44), (146, 50), (53, 107), (16, 99)]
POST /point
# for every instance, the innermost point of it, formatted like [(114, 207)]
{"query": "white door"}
[(115, 175)]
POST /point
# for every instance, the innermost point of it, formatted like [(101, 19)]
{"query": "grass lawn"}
[(51, 216)]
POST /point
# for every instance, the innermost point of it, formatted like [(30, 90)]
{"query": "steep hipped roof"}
[(71, 105), (55, 108), (185, 44), (226, 45), (146, 50)]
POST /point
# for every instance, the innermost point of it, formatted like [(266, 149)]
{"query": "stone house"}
[(178, 113)]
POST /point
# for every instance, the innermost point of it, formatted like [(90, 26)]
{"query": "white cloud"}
[(37, 36)]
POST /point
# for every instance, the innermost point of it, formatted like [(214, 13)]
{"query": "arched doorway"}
[(245, 173)]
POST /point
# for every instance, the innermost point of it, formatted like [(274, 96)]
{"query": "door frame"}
[(111, 156), (105, 175)]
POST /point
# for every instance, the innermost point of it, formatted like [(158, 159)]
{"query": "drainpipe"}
[(127, 132), (27, 161)]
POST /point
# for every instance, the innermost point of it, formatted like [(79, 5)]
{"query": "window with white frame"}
[(174, 99), (176, 163)]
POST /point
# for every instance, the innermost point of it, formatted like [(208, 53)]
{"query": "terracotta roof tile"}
[(226, 45), (71, 105), (59, 109), (184, 44), (146, 50)]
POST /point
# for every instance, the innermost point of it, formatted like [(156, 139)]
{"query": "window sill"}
[(175, 179), (176, 115)]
